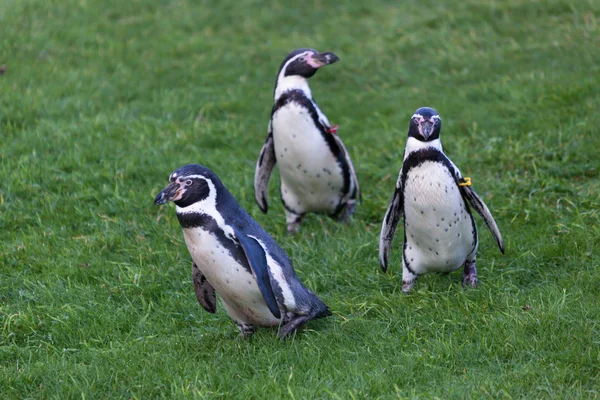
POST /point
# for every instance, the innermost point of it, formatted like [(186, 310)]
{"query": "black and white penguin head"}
[(425, 125), (305, 62), (189, 185), (300, 65)]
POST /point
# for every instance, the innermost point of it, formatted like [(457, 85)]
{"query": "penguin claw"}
[(407, 286), (470, 280), (293, 228), (246, 331)]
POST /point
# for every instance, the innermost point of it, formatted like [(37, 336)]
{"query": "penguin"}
[(440, 234), (234, 257), (316, 172)]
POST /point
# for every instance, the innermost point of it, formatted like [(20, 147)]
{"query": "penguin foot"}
[(408, 285), (345, 214), (293, 325), (245, 330), (469, 277), (293, 228), (470, 280)]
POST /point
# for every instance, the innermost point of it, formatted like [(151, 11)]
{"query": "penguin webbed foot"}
[(246, 331), (469, 277), (344, 216), (293, 227), (292, 326), (407, 285)]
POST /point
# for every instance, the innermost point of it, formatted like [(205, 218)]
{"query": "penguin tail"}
[(320, 310)]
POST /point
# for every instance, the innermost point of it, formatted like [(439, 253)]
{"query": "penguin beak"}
[(426, 127), (172, 192), (317, 60)]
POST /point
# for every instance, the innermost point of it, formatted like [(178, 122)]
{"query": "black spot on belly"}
[(422, 212), (227, 280), (305, 171), (249, 282), (437, 240), (446, 229), (298, 166), (443, 219), (285, 149), (436, 253), (318, 175)]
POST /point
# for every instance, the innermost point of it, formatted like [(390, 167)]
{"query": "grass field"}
[(101, 100)]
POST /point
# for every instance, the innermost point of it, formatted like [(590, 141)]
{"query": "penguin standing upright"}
[(234, 257), (440, 234), (316, 172)]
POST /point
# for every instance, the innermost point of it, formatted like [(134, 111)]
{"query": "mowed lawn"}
[(101, 100)]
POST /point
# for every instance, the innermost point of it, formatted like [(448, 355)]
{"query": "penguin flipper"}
[(350, 166), (205, 293), (479, 206), (264, 167), (389, 225), (258, 262)]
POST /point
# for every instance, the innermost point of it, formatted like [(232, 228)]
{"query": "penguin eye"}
[(188, 182), (302, 59)]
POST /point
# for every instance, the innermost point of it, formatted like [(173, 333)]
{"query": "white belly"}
[(438, 229), (311, 178), (237, 287)]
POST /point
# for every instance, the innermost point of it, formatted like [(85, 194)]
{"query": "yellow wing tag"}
[(465, 181)]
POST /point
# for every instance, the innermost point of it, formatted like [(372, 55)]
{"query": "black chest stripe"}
[(298, 97), (208, 223), (419, 157)]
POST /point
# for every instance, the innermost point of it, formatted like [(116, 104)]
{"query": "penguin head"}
[(305, 62), (425, 125), (188, 185)]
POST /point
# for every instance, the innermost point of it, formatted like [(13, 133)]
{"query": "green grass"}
[(102, 100)]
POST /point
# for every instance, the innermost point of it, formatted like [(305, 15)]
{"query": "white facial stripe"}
[(277, 274), (208, 206), (285, 83), (421, 118), (291, 60)]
